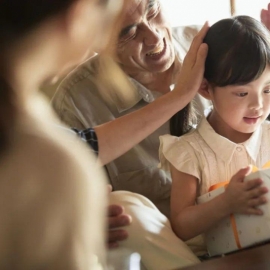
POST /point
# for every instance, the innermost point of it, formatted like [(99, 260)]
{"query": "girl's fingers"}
[(254, 211), (257, 201), (240, 175), (257, 192), (251, 184)]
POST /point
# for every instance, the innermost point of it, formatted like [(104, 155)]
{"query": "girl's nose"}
[(257, 103)]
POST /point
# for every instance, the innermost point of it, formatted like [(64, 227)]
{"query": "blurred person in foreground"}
[(52, 190), (52, 206)]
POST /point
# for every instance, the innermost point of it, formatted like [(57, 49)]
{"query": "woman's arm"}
[(189, 220), (120, 135)]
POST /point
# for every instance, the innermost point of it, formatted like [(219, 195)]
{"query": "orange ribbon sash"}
[(232, 218)]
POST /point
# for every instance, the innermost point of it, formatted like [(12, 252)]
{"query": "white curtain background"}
[(188, 12)]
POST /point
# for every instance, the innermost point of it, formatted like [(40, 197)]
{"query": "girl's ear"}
[(204, 89)]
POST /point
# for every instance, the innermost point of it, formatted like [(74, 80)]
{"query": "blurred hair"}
[(238, 52), (17, 18), (107, 75)]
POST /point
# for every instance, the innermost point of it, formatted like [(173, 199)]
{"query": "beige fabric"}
[(52, 201), (212, 158), (80, 104), (150, 234)]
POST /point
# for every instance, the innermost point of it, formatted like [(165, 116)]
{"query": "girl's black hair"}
[(17, 18), (238, 53), (182, 121)]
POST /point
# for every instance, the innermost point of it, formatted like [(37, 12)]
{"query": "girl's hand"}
[(244, 197)]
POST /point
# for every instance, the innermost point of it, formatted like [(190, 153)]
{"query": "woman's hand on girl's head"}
[(244, 197), (265, 16), (191, 74)]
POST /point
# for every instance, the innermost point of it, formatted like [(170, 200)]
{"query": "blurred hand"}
[(265, 16), (116, 219), (244, 197)]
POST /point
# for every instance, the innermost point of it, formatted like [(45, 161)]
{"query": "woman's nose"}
[(151, 36)]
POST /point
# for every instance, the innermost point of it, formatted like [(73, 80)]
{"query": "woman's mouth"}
[(158, 51)]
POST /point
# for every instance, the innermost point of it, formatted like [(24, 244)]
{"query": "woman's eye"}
[(267, 91), (129, 34), (154, 10)]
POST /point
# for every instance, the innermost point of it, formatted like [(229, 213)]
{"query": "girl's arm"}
[(189, 220)]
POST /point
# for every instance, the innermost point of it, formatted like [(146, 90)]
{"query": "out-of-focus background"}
[(188, 12)]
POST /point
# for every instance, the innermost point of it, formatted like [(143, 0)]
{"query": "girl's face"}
[(238, 110)]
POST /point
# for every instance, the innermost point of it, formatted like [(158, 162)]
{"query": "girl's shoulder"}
[(181, 152), (180, 148), (187, 141)]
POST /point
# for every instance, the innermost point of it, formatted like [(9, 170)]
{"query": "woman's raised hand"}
[(191, 74)]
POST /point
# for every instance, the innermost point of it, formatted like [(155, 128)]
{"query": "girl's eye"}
[(267, 91), (241, 94)]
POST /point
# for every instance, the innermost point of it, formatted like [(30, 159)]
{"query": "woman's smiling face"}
[(145, 40)]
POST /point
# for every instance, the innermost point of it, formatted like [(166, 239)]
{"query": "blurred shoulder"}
[(79, 80), (43, 149), (185, 32)]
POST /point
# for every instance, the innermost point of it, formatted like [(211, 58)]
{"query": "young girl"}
[(232, 135)]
